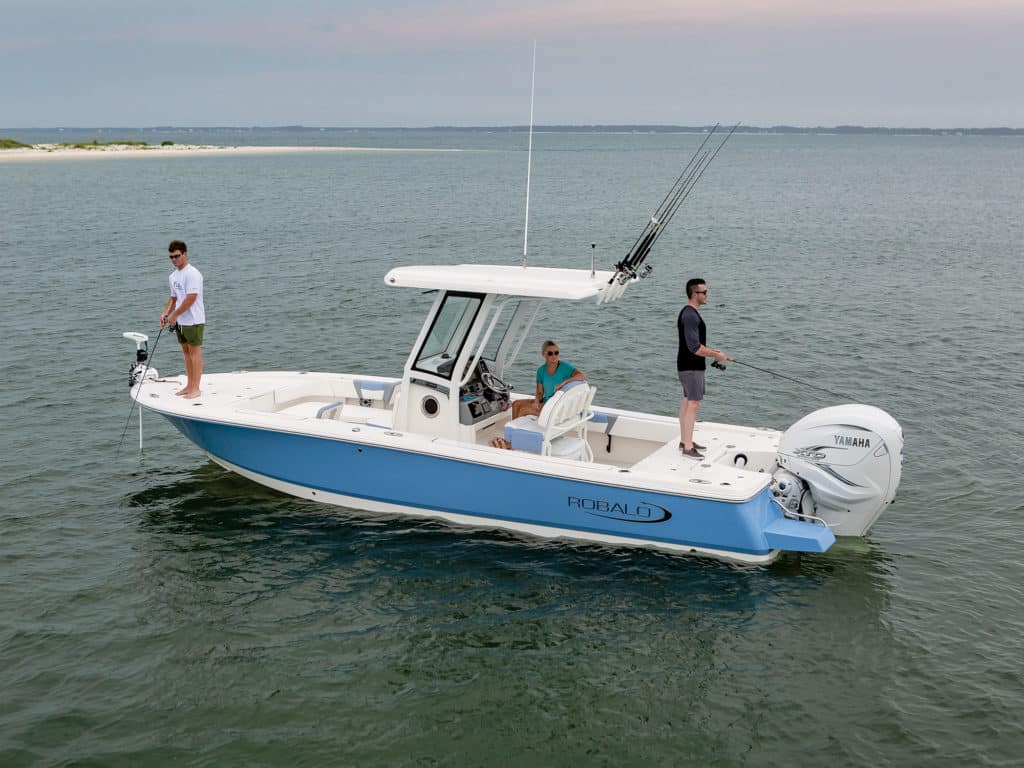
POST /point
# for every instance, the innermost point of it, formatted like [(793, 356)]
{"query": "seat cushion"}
[(524, 434)]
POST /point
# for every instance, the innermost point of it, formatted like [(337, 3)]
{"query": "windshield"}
[(447, 334), (502, 325)]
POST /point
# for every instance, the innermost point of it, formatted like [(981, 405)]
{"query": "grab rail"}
[(802, 517)]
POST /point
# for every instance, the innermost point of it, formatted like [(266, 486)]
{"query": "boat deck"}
[(643, 449)]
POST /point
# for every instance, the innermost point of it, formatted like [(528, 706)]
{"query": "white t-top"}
[(183, 282)]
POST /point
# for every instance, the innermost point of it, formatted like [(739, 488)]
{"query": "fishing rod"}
[(721, 367), (142, 379), (677, 195), (653, 230), (658, 214), (683, 193)]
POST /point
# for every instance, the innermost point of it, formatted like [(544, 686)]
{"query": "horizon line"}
[(742, 128)]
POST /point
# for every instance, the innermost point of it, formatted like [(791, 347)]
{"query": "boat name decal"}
[(643, 512), (852, 442)]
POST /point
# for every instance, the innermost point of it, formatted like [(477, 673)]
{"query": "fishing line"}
[(721, 367), (142, 380)]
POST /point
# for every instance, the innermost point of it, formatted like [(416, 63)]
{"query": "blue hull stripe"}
[(456, 486)]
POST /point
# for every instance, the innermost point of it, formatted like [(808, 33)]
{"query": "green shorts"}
[(190, 334)]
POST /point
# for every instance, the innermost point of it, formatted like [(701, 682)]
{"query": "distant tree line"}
[(839, 129)]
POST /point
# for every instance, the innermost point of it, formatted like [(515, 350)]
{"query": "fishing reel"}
[(718, 364), (625, 273)]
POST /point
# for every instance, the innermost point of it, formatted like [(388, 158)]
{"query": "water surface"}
[(158, 610)]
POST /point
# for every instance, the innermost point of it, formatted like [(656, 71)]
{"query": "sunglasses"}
[(704, 291), (175, 255), (550, 353)]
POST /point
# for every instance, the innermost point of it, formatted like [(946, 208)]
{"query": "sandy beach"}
[(51, 151)]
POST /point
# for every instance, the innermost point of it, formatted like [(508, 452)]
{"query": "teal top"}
[(562, 372)]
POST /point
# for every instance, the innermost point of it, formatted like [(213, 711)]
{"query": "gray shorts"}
[(693, 384)]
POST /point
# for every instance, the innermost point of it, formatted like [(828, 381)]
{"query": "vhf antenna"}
[(529, 154)]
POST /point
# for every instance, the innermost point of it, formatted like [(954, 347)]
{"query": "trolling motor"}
[(139, 368)]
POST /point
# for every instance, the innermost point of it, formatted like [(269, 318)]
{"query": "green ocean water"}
[(156, 610)]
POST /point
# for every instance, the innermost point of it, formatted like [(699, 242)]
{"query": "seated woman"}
[(551, 377)]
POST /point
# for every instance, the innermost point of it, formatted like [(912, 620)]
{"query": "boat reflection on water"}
[(402, 620), (256, 529)]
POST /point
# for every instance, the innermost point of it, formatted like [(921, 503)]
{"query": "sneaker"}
[(693, 453), (696, 445)]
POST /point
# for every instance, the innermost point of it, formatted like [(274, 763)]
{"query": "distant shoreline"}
[(184, 131), (134, 142), (54, 151)]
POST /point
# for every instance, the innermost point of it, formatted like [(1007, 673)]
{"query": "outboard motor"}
[(139, 368), (847, 459)]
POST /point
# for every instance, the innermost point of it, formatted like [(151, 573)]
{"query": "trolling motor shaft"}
[(139, 372)]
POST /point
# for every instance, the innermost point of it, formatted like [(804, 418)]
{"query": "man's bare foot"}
[(192, 395), (182, 391)]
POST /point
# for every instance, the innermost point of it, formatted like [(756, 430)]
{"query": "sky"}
[(896, 63)]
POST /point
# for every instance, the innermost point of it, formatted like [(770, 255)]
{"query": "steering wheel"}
[(493, 383)]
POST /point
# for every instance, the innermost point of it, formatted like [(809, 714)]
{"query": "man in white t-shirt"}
[(185, 313)]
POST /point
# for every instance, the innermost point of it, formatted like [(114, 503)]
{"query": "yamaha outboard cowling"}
[(844, 462)]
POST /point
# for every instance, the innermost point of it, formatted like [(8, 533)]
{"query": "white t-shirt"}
[(183, 282)]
